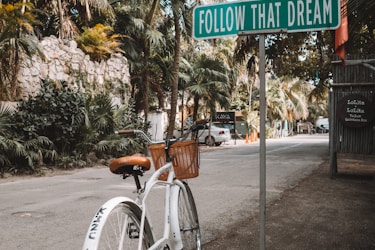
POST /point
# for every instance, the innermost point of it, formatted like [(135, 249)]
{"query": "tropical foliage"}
[(62, 127), (209, 84), (18, 153), (98, 42), (56, 112)]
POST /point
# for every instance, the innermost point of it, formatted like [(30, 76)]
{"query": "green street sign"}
[(228, 19)]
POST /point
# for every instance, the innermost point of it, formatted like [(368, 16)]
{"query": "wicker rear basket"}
[(185, 158)]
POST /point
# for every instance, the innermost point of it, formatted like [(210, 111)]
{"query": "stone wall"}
[(64, 61)]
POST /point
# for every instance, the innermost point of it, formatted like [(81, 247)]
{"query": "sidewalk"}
[(319, 213)]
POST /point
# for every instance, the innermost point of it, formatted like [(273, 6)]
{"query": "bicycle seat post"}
[(137, 182)]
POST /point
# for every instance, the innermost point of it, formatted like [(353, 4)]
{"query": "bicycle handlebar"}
[(136, 131), (126, 132)]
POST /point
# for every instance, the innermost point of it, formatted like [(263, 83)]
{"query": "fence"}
[(352, 108)]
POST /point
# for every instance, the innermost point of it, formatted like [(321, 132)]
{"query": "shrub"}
[(99, 123), (124, 117), (59, 126), (99, 42), (56, 112), (19, 154)]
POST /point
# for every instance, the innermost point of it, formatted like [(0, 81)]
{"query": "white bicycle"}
[(123, 223)]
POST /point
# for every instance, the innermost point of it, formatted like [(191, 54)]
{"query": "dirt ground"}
[(319, 213)]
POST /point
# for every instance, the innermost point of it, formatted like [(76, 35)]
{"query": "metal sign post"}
[(262, 142), (262, 136)]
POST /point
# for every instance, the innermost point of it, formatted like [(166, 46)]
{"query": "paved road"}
[(54, 212)]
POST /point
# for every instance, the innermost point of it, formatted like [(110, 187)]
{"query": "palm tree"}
[(16, 40), (317, 99), (66, 18), (83, 11), (286, 99), (137, 23), (182, 19), (154, 53), (295, 92), (210, 84), (176, 8)]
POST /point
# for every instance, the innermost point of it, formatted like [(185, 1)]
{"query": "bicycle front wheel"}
[(118, 228), (188, 220)]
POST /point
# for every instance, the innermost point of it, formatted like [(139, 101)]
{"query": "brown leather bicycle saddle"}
[(126, 164)]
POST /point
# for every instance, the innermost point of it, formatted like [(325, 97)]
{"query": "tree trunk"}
[(182, 111), (195, 113), (145, 74), (23, 7), (195, 110), (176, 68), (61, 17), (146, 83), (250, 90)]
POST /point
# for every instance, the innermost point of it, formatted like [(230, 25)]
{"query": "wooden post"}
[(332, 134)]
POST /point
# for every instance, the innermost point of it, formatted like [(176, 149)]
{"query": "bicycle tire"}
[(188, 220), (122, 217)]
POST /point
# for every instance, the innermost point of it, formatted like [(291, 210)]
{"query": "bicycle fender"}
[(96, 224)]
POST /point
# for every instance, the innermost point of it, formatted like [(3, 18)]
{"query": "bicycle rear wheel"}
[(119, 229), (188, 220)]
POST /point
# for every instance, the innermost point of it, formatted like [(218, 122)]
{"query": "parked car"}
[(218, 135), (228, 126)]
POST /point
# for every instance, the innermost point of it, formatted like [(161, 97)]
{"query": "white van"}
[(322, 125)]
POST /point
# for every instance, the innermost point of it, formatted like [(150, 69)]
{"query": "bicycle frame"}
[(172, 187)]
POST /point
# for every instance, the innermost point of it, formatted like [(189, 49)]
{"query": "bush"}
[(19, 154), (124, 117), (99, 42), (56, 112), (59, 126)]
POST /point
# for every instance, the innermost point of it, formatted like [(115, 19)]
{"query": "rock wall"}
[(64, 61)]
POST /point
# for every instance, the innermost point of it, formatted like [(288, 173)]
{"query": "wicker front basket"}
[(185, 159)]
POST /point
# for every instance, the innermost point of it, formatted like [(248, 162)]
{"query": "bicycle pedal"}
[(133, 231)]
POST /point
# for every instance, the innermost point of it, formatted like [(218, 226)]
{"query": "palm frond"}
[(138, 24), (155, 37)]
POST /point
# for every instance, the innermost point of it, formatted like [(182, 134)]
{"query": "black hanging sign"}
[(355, 111), (224, 117)]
